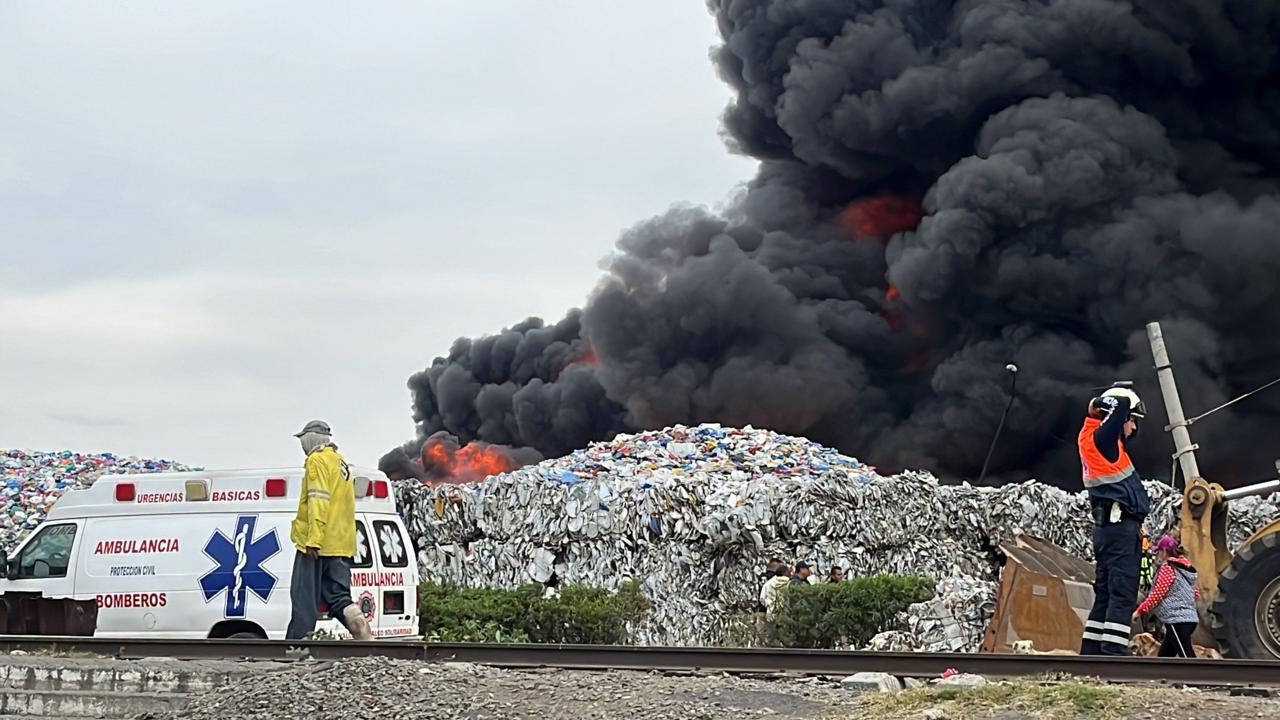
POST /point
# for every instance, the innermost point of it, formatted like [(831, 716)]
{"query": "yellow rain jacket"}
[(326, 506)]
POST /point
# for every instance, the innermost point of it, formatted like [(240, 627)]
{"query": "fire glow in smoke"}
[(943, 188), (445, 461), (588, 358), (881, 216)]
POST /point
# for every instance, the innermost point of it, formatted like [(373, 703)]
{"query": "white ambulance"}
[(207, 555)]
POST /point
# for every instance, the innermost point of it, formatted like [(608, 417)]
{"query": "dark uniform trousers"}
[(1117, 552)]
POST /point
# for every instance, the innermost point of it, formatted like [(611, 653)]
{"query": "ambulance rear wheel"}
[(1246, 615), (237, 630)]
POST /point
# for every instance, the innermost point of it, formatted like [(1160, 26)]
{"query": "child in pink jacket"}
[(1173, 597)]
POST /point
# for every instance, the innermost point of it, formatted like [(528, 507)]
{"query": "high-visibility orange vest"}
[(1097, 470)]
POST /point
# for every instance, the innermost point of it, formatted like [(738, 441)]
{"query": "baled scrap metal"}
[(695, 514), (894, 641), (1037, 509), (707, 527), (953, 621), (958, 614), (448, 561), (1166, 503), (1247, 516)]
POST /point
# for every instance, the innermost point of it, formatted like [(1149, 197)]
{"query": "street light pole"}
[(1013, 393)]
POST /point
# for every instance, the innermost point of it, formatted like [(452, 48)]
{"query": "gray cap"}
[(316, 426)]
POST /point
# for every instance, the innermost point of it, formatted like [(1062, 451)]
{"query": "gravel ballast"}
[(392, 689), (382, 689)]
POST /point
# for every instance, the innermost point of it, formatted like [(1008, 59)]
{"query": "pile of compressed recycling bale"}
[(695, 513), (30, 482)]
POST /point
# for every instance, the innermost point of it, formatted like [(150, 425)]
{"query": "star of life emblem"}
[(392, 547), (239, 566)]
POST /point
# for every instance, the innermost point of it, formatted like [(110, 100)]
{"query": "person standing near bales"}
[(1119, 504), (324, 534), (1173, 598), (770, 570), (803, 574), (772, 586)]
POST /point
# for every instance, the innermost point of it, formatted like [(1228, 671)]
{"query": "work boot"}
[(356, 624)]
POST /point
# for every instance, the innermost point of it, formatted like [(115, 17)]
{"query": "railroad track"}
[(1260, 673)]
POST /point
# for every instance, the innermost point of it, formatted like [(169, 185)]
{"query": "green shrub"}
[(579, 614), (850, 612)]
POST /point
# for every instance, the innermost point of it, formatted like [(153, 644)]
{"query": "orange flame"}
[(891, 315), (445, 462), (587, 357), (898, 319), (881, 216)]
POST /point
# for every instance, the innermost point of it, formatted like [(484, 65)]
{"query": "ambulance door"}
[(397, 597), (46, 562), (362, 568)]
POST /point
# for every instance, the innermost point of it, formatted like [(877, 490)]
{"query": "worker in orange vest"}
[(1119, 504)]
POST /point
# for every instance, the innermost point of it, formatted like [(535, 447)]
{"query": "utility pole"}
[(1184, 449)]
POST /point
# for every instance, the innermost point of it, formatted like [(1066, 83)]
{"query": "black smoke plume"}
[(1083, 167)]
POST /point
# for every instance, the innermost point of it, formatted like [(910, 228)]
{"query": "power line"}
[(1255, 391)]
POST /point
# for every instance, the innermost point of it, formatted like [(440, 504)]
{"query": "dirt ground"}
[(382, 689), (1025, 700)]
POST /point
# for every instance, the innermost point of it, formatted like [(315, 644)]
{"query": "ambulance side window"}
[(48, 555), (363, 558), (391, 546)]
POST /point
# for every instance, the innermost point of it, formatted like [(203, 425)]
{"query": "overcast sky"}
[(219, 220)]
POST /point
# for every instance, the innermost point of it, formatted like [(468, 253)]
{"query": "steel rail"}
[(1231, 672), (141, 648), (839, 662)]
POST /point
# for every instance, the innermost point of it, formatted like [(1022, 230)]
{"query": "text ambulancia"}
[(207, 554)]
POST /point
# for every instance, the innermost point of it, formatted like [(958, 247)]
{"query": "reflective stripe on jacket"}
[(1098, 470), (326, 516)]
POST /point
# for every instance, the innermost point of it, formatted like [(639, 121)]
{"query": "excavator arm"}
[(1202, 530)]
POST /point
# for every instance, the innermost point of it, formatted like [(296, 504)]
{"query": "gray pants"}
[(323, 579)]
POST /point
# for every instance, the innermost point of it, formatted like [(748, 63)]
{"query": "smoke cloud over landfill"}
[(944, 188)]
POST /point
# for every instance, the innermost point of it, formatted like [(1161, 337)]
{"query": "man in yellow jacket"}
[(324, 533)]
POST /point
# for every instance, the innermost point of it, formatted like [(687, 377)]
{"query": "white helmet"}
[(1102, 405)]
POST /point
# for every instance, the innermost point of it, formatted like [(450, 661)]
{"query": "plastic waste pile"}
[(695, 513), (31, 481)]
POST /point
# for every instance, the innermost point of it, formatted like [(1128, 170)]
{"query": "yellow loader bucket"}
[(1044, 598)]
